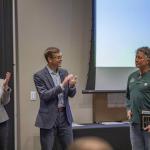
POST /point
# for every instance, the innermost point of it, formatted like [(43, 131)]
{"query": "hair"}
[(90, 143), (145, 50), (50, 51)]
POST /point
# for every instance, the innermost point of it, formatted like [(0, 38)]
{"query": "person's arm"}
[(49, 94), (72, 87), (43, 91), (5, 97), (128, 102)]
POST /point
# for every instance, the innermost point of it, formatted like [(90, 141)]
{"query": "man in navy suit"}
[(54, 85)]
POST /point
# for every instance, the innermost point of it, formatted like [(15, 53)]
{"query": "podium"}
[(101, 110)]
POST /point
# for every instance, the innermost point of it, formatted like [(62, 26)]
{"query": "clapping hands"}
[(71, 79)]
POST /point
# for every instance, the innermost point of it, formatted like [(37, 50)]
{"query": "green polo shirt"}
[(138, 94)]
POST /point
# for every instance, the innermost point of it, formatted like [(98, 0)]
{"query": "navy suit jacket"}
[(48, 94)]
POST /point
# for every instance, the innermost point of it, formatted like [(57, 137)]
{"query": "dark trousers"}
[(61, 129), (3, 135)]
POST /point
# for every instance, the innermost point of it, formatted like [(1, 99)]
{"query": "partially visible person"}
[(4, 99), (54, 85), (138, 99), (90, 143)]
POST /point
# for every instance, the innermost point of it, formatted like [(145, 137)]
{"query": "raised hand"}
[(6, 80)]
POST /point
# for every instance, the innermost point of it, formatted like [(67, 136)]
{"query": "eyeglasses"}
[(57, 57)]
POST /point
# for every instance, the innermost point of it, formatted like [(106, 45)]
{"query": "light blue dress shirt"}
[(57, 81)]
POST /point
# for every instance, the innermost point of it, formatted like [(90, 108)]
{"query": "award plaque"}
[(145, 119)]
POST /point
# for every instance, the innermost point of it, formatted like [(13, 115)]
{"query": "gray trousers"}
[(61, 129), (140, 140)]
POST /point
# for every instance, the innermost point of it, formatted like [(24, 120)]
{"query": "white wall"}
[(65, 24)]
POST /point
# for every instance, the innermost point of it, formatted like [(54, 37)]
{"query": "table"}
[(117, 134)]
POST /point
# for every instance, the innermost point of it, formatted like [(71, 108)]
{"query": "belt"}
[(60, 109)]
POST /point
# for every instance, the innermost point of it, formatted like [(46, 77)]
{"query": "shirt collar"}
[(51, 71)]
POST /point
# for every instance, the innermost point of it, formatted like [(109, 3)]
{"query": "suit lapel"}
[(48, 76), (62, 76)]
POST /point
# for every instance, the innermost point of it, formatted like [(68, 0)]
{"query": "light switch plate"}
[(33, 95)]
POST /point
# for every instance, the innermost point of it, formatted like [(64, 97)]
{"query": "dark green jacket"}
[(138, 94)]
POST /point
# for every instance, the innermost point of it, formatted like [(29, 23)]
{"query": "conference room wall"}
[(41, 23)]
